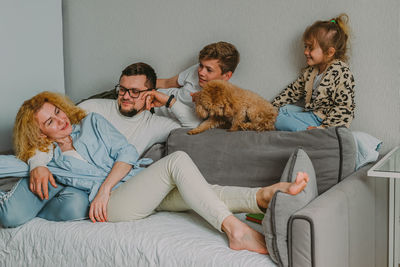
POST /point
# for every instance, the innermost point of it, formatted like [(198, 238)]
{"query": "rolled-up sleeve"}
[(117, 145), (40, 158)]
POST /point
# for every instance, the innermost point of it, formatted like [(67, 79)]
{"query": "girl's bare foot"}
[(242, 237), (265, 194)]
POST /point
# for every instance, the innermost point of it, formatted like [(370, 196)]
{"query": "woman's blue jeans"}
[(20, 205), (292, 118)]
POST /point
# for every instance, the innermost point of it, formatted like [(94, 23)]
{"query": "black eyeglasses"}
[(132, 92)]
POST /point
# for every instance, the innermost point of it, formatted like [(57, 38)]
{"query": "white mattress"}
[(163, 239)]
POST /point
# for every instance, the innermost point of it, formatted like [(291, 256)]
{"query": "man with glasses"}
[(129, 114)]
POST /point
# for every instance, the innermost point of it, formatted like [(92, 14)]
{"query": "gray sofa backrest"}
[(258, 158)]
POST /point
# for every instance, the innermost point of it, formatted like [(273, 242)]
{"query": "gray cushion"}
[(248, 158), (155, 152), (7, 152), (8, 182), (283, 205)]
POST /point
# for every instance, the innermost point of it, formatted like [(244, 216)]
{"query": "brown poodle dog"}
[(225, 105)]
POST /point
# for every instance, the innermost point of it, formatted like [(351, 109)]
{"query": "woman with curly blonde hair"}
[(27, 137), (91, 155), (19, 205)]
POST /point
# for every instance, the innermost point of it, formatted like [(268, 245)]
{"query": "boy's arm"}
[(168, 83), (40, 176), (185, 114), (187, 76)]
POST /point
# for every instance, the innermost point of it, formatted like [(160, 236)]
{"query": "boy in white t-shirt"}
[(217, 61)]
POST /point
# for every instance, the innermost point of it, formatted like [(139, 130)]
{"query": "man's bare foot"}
[(243, 237), (265, 194)]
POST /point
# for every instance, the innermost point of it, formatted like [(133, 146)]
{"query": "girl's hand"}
[(98, 207), (311, 127)]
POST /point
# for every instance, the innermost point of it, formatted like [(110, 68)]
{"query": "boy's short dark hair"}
[(226, 53)]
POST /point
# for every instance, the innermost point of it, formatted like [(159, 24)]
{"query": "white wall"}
[(101, 37), (31, 56)]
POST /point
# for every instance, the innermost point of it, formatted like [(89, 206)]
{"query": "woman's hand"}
[(98, 207), (39, 180)]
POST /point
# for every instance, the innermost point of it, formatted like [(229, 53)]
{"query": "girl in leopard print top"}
[(326, 85)]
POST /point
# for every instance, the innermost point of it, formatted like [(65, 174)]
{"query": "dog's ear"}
[(202, 104), (217, 110), (228, 110), (219, 97), (201, 111)]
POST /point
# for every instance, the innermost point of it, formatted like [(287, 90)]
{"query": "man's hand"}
[(155, 99), (39, 181)]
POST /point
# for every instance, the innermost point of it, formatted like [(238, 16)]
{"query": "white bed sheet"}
[(163, 239)]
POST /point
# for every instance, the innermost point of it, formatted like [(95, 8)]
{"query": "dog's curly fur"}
[(224, 105)]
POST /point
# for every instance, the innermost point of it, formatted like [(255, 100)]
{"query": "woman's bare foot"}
[(265, 194), (298, 185), (242, 237)]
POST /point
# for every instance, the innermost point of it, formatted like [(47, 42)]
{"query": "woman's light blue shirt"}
[(99, 143)]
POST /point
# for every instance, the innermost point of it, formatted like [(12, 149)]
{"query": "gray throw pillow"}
[(283, 206)]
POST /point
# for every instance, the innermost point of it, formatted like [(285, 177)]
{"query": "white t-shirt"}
[(142, 130), (189, 82), (317, 81), (73, 153)]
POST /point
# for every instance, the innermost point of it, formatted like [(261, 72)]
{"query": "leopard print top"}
[(334, 102)]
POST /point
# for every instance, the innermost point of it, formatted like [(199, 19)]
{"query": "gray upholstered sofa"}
[(335, 229)]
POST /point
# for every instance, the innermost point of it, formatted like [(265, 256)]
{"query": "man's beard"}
[(129, 113)]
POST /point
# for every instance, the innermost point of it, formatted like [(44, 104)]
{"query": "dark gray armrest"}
[(338, 227)]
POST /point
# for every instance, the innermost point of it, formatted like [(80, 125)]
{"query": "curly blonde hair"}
[(27, 136)]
